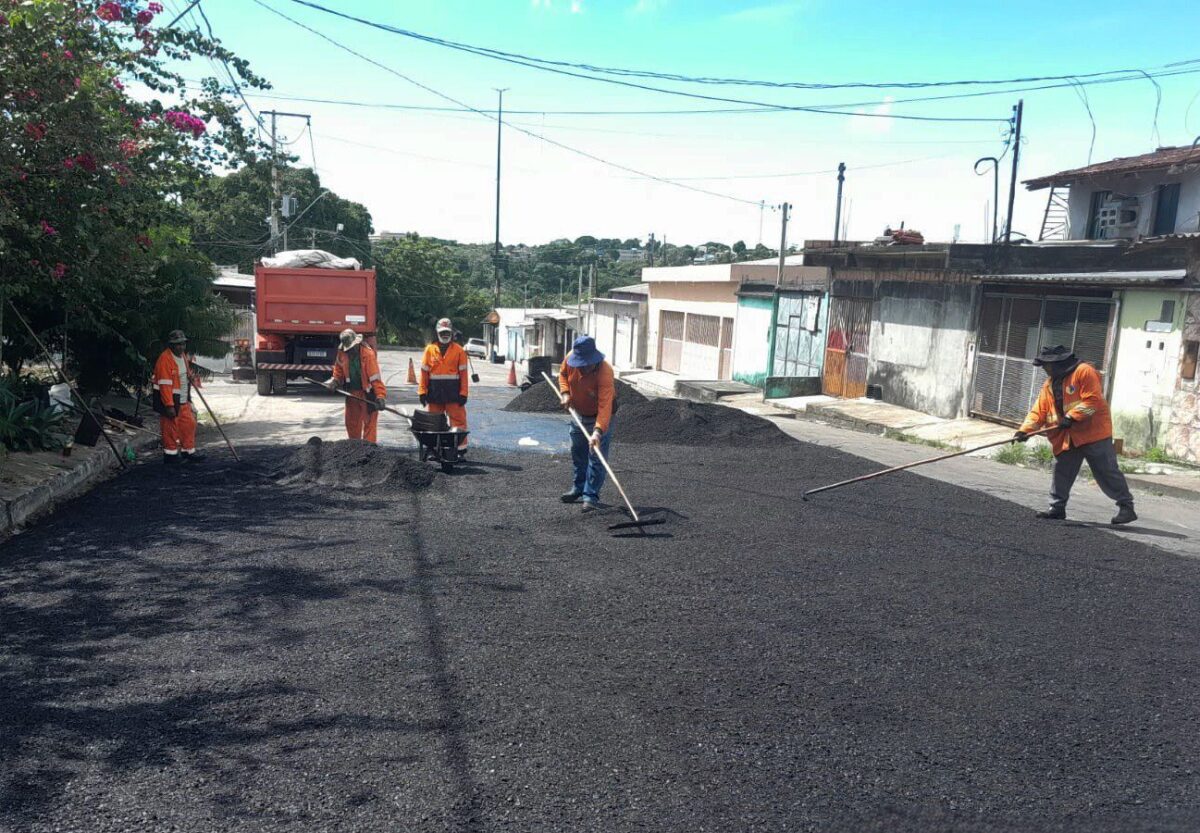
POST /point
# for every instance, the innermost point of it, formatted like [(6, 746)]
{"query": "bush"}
[(1042, 454), (1156, 455), (27, 421)]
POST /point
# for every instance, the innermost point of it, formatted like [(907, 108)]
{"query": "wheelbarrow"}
[(436, 441)]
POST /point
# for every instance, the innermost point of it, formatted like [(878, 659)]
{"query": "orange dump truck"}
[(299, 314)]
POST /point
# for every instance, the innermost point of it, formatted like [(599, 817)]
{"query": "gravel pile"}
[(543, 399), (354, 463), (680, 422)]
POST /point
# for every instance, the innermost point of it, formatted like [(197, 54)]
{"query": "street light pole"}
[(499, 133), (995, 188)]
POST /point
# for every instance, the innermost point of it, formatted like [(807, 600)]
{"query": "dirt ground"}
[(221, 652)]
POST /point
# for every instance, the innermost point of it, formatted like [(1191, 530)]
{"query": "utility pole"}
[(762, 207), (782, 243), (837, 215), (1018, 111), (312, 238), (650, 250), (277, 229), (579, 298), (591, 295), (499, 134)]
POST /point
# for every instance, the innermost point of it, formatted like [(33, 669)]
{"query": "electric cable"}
[(494, 117)]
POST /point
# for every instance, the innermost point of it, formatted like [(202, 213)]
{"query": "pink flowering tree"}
[(93, 179)]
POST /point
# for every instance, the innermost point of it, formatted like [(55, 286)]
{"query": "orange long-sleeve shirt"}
[(443, 375), (372, 378), (168, 379), (1083, 401), (590, 391)]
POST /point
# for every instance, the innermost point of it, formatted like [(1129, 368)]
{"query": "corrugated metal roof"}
[(1148, 276), (1163, 158), (633, 288)]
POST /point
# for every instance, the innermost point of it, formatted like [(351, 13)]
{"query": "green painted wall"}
[(752, 340)]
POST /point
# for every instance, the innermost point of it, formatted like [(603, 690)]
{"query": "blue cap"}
[(584, 353)]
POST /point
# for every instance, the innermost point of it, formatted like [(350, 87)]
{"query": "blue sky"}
[(434, 172)]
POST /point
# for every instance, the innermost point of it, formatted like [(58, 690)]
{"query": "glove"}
[(330, 383), (564, 398), (380, 403), (424, 400), (462, 400), (1066, 422), (1020, 437), (594, 442)]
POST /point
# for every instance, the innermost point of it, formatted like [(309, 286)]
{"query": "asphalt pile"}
[(681, 422), (540, 398), (355, 464)]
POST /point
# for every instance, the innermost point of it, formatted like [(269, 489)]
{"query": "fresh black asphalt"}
[(213, 651)]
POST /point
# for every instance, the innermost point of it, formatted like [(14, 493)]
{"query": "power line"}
[(668, 76), (632, 85), (492, 117)]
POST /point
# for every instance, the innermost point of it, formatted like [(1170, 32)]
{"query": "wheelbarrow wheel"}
[(422, 452)]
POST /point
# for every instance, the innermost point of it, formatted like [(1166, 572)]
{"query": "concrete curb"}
[(62, 479), (1149, 484)]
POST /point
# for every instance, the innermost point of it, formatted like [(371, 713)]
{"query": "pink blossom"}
[(129, 148), (68, 54), (3, 20), (87, 162), (68, 163), (37, 132), (143, 241), (185, 122), (48, 229), (116, 82), (144, 17), (78, 83), (109, 11), (155, 7), (59, 270), (35, 263)]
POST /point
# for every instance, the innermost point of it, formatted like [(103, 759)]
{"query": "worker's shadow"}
[(477, 467), (650, 513), (1129, 528)]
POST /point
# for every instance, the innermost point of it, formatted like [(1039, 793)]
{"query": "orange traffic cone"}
[(512, 374), (412, 373)]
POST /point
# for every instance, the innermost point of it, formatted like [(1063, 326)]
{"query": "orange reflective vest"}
[(1083, 402), (589, 391), (371, 380), (168, 380), (443, 375)]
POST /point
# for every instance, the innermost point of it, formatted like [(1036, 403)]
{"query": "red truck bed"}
[(295, 301)]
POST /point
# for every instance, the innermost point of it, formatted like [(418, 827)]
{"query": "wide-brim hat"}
[(584, 353), (349, 339), (176, 337), (1049, 355)]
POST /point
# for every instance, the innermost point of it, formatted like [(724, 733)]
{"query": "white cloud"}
[(576, 6), (769, 13), (647, 6), (540, 4)]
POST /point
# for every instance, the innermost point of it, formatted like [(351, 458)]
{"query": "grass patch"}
[(1156, 455), (1042, 454), (1012, 455), (899, 436)]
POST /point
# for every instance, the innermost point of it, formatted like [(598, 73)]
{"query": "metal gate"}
[(846, 348), (670, 344), (1012, 328), (799, 348)]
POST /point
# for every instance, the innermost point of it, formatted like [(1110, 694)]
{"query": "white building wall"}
[(1146, 369), (719, 299), (1144, 187)]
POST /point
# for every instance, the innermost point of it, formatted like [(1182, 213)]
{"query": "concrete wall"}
[(752, 340), (718, 299), (923, 345), (606, 329), (1146, 369), (1182, 437), (1144, 187)]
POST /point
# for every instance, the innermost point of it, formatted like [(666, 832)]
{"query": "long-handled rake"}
[(927, 460), (637, 522)]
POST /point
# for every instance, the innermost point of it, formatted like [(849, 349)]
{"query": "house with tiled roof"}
[(1127, 198)]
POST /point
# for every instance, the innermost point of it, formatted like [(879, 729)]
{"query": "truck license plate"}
[(317, 353)]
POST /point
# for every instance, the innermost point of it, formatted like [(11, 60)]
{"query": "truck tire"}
[(263, 377), (279, 382)]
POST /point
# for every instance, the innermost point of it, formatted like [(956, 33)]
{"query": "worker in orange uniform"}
[(585, 383), (173, 377), (356, 371), (442, 387), (1072, 402)]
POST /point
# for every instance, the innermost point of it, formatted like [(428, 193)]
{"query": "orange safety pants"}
[(179, 432), (361, 421), (457, 414)]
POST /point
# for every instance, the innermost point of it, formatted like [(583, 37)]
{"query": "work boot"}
[(171, 459), (1053, 514), (194, 457), (571, 496), (590, 504), (1125, 515)]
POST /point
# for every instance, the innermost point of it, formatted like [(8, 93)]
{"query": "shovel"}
[(349, 395), (637, 522)]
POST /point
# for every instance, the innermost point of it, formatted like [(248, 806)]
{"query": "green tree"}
[(228, 216), (739, 250), (418, 282), (91, 179)]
